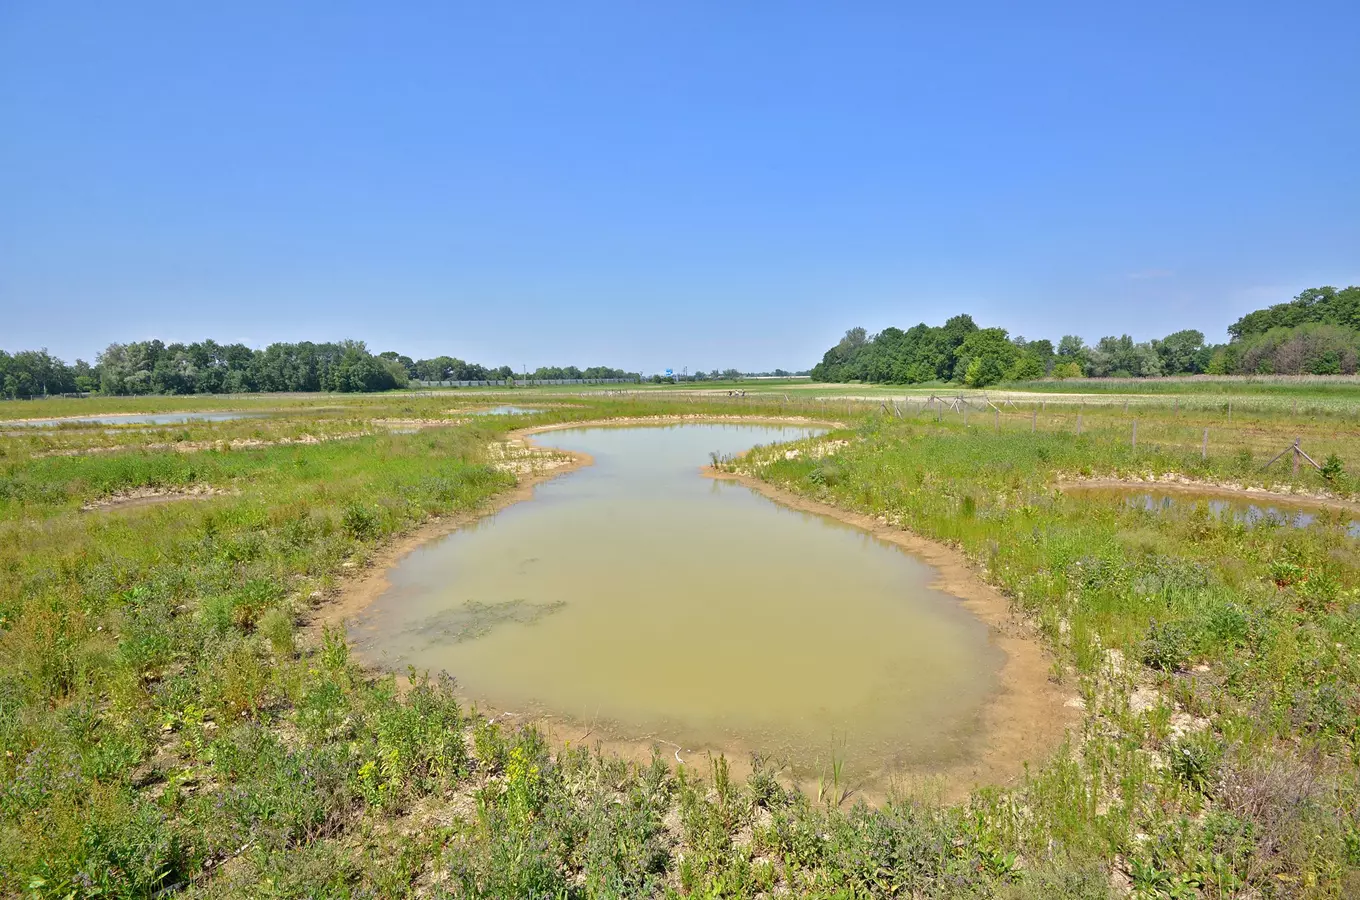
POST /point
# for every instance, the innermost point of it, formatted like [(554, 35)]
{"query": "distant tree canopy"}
[(151, 367), (1318, 332), (960, 351), (207, 367), (34, 373), (1324, 306)]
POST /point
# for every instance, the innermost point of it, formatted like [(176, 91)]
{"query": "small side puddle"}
[(1249, 511), (135, 419), (504, 411)]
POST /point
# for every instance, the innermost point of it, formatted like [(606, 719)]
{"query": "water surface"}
[(656, 604), (1240, 508), (504, 411), (136, 419)]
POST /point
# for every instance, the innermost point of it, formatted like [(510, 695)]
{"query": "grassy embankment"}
[(1219, 664), (169, 717)]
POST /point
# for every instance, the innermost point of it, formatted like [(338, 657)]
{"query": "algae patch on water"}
[(475, 619)]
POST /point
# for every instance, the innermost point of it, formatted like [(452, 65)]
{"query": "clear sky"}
[(656, 185)]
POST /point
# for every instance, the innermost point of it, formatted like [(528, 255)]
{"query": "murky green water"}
[(657, 604)]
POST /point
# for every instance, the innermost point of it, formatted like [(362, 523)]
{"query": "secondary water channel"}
[(135, 419), (650, 603), (1242, 508), (504, 411)]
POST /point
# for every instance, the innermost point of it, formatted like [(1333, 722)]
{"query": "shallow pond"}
[(1240, 508), (652, 603), (136, 419), (504, 411)]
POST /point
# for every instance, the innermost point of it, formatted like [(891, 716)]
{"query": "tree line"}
[(1318, 333), (207, 367)]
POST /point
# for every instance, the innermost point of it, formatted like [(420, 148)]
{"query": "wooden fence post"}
[(1033, 420), (1078, 423), (1296, 456), (1204, 447), (996, 420)]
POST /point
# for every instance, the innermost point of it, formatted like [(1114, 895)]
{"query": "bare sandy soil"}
[(151, 497), (197, 446)]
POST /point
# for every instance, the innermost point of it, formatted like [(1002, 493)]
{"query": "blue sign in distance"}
[(670, 372)]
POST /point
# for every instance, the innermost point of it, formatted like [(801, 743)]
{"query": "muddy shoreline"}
[(1026, 720), (1028, 717)]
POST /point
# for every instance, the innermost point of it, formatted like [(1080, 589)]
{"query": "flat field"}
[(178, 714)]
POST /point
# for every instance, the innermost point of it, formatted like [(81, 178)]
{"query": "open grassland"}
[(1294, 395), (174, 716), (1345, 387)]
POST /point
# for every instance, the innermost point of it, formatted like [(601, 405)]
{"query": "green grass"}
[(1345, 387), (172, 717), (1251, 634)]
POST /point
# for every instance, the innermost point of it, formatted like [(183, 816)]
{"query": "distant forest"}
[(207, 367), (1316, 333)]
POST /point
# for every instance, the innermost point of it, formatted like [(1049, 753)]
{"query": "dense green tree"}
[(1314, 348), (1027, 367), (854, 338), (1182, 353), (920, 354), (408, 365), (207, 367), (1072, 348), (1120, 357), (1324, 305), (985, 356), (1042, 350)]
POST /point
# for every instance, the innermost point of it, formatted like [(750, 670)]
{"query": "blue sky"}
[(661, 185)]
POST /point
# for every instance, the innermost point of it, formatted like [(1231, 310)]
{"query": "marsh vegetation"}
[(175, 714)]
